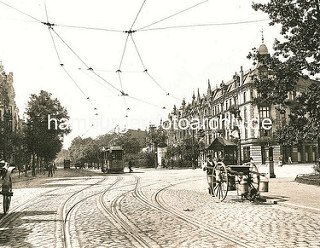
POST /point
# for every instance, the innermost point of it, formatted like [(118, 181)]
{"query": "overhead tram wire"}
[(123, 52), (172, 15), (90, 69), (85, 64), (91, 126), (60, 61), (89, 28), (124, 96), (143, 101), (147, 72), (86, 72), (129, 32), (204, 25), (22, 12), (110, 71), (145, 69), (138, 14), (139, 55)]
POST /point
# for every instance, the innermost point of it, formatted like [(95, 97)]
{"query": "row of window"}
[(227, 104)]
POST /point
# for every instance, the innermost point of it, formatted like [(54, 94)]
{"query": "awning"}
[(220, 143)]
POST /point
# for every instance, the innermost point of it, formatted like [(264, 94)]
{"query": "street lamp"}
[(104, 158)]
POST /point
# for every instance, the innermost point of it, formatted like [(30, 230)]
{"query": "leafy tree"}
[(299, 20), (77, 151), (129, 144), (44, 138), (296, 57)]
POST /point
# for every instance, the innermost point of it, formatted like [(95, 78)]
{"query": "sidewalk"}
[(284, 190)]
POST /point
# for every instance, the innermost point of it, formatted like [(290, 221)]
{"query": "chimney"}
[(241, 75)]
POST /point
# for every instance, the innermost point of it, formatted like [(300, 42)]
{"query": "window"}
[(264, 112), (245, 114), (226, 104), (244, 97), (246, 154)]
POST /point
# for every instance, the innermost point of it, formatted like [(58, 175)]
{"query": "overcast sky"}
[(180, 60)]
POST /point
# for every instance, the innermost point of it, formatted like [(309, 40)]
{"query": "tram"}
[(113, 160), (66, 163)]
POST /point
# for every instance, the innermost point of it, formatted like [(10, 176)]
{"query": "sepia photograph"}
[(159, 124)]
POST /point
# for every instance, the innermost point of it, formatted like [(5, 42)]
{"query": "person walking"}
[(50, 169), (210, 177), (130, 165)]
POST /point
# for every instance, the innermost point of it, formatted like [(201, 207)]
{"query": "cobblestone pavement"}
[(148, 208)]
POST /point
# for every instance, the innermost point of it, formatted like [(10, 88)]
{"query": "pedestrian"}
[(211, 180), (130, 165), (204, 165), (50, 170)]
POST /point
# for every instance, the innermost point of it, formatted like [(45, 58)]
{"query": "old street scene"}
[(159, 123)]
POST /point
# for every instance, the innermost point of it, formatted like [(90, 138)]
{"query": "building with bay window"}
[(10, 122), (233, 101)]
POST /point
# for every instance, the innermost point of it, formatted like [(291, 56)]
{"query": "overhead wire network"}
[(94, 73)]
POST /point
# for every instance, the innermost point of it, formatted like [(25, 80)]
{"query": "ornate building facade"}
[(235, 98), (9, 114)]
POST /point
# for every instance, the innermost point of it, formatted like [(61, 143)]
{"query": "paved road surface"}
[(148, 208)]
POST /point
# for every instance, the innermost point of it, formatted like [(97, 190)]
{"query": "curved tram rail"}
[(116, 215), (181, 216), (66, 214)]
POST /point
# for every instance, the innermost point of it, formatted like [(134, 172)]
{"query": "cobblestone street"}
[(147, 208)]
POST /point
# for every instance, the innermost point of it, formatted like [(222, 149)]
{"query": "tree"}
[(299, 20), (296, 57), (156, 137), (44, 136)]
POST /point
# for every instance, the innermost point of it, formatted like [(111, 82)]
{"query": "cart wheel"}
[(220, 181), (7, 197), (254, 178)]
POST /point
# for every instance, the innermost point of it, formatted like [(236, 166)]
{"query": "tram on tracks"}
[(113, 160), (6, 189), (66, 163)]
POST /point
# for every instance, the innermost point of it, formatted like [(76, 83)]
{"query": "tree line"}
[(31, 144)]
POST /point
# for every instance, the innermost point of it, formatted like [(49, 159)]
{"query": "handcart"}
[(244, 179)]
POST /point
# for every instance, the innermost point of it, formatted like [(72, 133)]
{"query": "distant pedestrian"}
[(289, 160), (130, 164), (50, 170)]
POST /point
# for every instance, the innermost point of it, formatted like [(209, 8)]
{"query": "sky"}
[(178, 60)]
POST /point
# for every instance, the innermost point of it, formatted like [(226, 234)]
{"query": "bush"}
[(316, 168)]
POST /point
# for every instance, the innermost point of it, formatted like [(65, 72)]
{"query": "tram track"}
[(17, 211), (67, 213), (114, 212), (160, 205)]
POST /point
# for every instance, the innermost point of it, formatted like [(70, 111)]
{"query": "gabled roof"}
[(220, 143)]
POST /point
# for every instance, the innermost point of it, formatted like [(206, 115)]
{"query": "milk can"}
[(264, 184), (243, 186)]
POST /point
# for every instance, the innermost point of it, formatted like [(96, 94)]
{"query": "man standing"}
[(210, 177), (50, 169), (130, 166)]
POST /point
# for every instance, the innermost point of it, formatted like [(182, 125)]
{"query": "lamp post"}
[(104, 159), (239, 136)]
